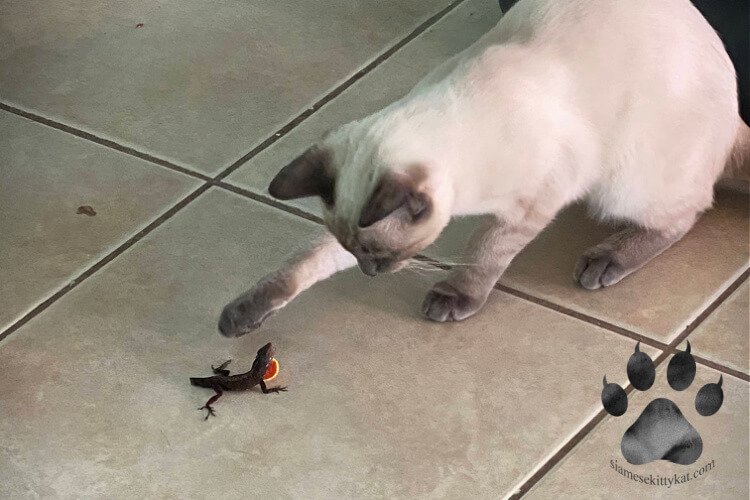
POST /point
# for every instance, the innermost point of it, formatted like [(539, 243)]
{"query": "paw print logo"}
[(662, 432)]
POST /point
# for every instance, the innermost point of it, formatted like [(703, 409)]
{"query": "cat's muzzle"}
[(375, 266)]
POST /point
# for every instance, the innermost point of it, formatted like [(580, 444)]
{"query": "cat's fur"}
[(631, 105)]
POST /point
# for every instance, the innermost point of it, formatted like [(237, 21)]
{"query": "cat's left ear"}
[(306, 175), (393, 192)]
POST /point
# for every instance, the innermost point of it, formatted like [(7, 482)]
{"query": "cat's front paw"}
[(445, 303), (248, 311)]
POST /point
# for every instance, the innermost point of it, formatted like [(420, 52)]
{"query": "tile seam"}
[(101, 141)]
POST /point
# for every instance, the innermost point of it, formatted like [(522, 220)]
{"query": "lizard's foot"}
[(268, 390), (209, 411), (221, 369)]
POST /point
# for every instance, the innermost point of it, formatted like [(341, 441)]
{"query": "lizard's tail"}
[(202, 382)]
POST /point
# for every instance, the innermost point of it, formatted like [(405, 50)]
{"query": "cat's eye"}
[(364, 249), (419, 214)]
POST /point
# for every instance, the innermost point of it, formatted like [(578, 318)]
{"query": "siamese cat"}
[(630, 105)]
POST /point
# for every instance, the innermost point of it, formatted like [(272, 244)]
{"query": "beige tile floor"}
[(725, 336), (44, 241), (103, 318), (200, 82)]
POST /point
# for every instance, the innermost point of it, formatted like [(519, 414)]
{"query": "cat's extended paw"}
[(248, 311), (662, 432), (598, 267), (445, 303)]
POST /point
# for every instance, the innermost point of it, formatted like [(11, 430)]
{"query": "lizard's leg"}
[(268, 390), (248, 311), (209, 409), (221, 369)]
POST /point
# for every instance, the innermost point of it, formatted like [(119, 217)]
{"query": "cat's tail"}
[(736, 174)]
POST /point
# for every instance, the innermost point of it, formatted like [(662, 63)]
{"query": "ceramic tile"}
[(44, 242), (199, 83)]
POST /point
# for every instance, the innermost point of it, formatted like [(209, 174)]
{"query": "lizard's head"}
[(266, 352), (263, 358)]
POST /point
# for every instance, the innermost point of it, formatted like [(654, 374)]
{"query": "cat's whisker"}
[(420, 262), (421, 266), (417, 271), (450, 263)]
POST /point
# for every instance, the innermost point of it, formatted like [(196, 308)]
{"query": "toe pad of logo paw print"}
[(662, 432)]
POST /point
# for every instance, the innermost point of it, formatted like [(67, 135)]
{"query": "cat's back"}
[(655, 86), (585, 20), (636, 35), (650, 82), (612, 49), (627, 61)]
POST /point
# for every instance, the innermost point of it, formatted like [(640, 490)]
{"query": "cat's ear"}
[(392, 193), (306, 175)]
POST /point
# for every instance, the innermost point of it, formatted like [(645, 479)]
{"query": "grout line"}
[(268, 201), (104, 261), (669, 349), (721, 368), (102, 141), (583, 317), (591, 424), (208, 181), (566, 448), (338, 90), (710, 308)]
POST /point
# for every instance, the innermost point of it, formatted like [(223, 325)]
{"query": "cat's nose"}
[(368, 266)]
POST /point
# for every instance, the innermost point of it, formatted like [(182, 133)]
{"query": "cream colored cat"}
[(631, 105)]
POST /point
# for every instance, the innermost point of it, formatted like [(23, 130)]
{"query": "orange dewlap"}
[(272, 371)]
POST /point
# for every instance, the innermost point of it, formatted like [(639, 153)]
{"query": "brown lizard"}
[(223, 381)]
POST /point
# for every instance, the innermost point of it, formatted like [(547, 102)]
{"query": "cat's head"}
[(381, 210)]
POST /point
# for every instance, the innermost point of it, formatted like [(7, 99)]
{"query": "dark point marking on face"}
[(396, 191), (307, 175)]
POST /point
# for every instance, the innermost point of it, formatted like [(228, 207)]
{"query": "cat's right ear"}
[(306, 175)]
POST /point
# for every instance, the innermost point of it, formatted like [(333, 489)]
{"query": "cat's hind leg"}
[(490, 251), (625, 252)]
